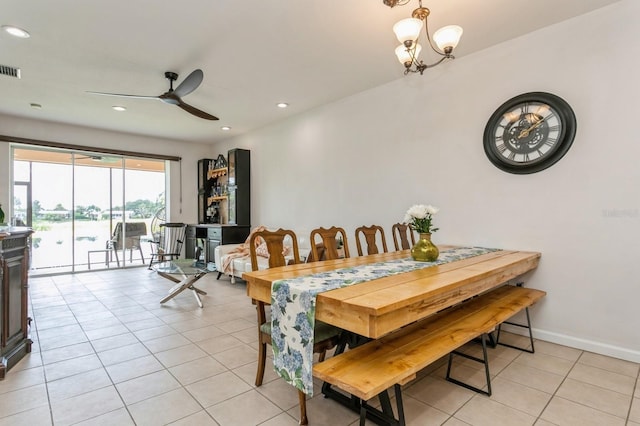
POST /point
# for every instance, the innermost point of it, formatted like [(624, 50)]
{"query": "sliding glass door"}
[(97, 190), (88, 211)]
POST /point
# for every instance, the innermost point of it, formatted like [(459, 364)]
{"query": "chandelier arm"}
[(392, 3), (420, 67), (426, 30), (412, 55), (438, 62)]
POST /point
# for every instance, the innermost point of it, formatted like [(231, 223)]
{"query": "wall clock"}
[(529, 133)]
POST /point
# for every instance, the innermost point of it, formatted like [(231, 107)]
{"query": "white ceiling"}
[(253, 55)]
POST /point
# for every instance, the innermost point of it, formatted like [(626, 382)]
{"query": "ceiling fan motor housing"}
[(172, 76)]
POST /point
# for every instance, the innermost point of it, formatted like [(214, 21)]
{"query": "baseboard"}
[(578, 343)]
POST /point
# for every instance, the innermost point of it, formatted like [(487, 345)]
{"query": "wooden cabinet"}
[(14, 321)]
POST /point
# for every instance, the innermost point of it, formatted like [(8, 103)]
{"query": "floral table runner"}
[(293, 308)]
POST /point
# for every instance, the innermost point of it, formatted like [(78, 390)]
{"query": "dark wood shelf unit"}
[(14, 306)]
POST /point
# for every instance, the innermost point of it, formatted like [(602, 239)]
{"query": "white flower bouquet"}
[(420, 217)]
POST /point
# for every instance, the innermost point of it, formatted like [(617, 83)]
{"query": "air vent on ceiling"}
[(10, 71)]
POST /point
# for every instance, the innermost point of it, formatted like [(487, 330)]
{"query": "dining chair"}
[(329, 243), (400, 240), (370, 234), (325, 336), (319, 252)]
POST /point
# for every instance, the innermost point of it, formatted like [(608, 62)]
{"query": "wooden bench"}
[(395, 359)]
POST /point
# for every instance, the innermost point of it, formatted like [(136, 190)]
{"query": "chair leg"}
[(115, 252), (303, 408), (262, 360)]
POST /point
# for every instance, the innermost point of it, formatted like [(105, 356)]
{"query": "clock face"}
[(529, 133)]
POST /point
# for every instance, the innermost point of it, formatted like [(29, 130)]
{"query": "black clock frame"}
[(565, 139)]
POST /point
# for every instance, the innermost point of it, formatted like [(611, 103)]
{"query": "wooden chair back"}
[(275, 244), (370, 233), (329, 243), (319, 251), (400, 232)]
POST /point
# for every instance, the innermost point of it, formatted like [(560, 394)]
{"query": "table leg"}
[(186, 283), (197, 296)]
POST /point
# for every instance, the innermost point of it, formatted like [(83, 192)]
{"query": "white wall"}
[(185, 211), (367, 158)]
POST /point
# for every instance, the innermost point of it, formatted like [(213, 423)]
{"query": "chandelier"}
[(408, 30)]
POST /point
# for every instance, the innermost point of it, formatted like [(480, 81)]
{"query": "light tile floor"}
[(107, 353)]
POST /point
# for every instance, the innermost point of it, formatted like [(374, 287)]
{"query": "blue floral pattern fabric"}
[(293, 308)]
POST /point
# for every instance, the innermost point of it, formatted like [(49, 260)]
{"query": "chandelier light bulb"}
[(448, 37), (408, 29)]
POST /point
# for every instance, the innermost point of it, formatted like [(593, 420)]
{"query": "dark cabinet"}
[(239, 186), (14, 334), (212, 190), (224, 189), (230, 234), (203, 239)]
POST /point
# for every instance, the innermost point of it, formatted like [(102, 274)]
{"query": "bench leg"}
[(379, 417), (384, 417), (484, 361), (527, 326)]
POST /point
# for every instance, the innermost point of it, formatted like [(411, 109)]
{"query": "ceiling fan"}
[(99, 158), (173, 97)]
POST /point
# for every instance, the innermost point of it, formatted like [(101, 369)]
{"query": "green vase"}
[(425, 250), (1, 215)]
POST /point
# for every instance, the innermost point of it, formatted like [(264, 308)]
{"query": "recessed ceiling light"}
[(282, 105), (119, 108), (225, 128), (15, 31), (35, 106)]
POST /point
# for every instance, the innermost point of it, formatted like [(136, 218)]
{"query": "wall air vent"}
[(9, 71)]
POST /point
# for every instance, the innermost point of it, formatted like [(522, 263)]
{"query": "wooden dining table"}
[(375, 308)]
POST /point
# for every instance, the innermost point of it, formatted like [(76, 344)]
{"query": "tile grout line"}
[(633, 393)]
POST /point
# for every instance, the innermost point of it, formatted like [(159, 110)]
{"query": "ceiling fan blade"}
[(196, 111), (190, 83), (123, 95)]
